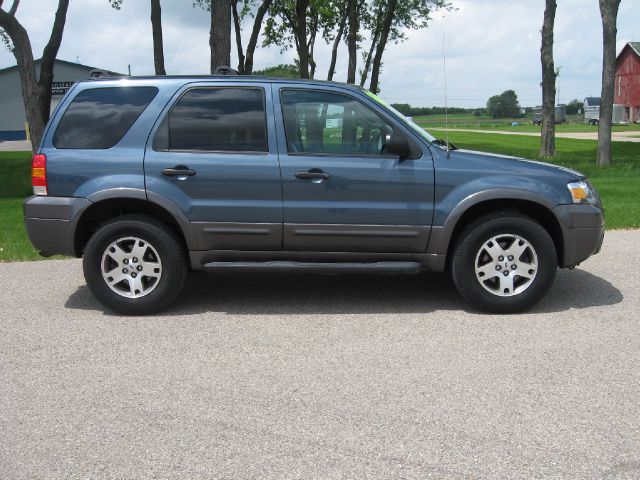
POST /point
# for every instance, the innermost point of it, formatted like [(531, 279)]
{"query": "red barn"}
[(628, 81)]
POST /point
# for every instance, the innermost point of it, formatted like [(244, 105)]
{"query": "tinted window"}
[(99, 117), (216, 119), (330, 123)]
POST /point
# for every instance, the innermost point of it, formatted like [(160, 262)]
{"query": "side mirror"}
[(396, 144)]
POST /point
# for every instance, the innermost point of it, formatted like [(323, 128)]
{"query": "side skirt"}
[(200, 259)]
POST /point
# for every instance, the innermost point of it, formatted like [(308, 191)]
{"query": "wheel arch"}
[(465, 213), (107, 209)]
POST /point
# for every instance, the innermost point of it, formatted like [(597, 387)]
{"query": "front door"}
[(341, 191), (214, 155)]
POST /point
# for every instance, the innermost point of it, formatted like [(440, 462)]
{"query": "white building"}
[(12, 114)]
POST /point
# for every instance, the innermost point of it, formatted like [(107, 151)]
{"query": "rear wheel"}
[(135, 265), (504, 263)]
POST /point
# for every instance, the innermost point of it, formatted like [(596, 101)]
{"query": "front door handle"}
[(179, 171), (313, 174)]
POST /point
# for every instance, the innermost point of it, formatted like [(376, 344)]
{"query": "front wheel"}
[(504, 263), (135, 265)]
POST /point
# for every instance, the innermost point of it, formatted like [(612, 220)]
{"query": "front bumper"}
[(582, 232), (51, 222)]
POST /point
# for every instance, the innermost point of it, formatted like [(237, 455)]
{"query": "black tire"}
[(471, 251), (162, 249)]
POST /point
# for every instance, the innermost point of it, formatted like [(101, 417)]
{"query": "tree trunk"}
[(36, 94), (311, 45), (334, 49), (238, 31), (367, 63), (255, 33), (301, 34), (352, 37), (609, 14), (156, 27), (548, 137), (384, 35), (220, 34)]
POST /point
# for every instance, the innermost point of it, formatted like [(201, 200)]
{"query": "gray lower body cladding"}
[(51, 222), (582, 228)]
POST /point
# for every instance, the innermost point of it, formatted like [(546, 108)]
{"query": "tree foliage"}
[(257, 10), (504, 105), (389, 21), (281, 71), (298, 24), (574, 106), (410, 111)]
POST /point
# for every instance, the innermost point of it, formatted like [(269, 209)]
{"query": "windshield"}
[(407, 121)]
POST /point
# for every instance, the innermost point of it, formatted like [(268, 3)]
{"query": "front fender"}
[(457, 204)]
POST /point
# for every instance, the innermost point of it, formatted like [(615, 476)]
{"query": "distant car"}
[(147, 178)]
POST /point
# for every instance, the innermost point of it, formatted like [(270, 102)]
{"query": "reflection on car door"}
[(215, 156), (341, 192)]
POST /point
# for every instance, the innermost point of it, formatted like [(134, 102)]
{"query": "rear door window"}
[(98, 118), (216, 119)]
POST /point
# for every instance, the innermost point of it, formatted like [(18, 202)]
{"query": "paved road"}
[(322, 377), (15, 146), (625, 136)]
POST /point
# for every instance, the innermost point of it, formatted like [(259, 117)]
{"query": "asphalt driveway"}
[(288, 376)]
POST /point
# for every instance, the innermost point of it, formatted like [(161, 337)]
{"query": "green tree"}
[(504, 105), (388, 21), (245, 57), (298, 24), (281, 71), (573, 106)]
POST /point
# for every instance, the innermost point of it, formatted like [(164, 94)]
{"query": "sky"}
[(490, 46)]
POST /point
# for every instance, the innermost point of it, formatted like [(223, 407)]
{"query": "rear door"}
[(213, 154), (341, 191)]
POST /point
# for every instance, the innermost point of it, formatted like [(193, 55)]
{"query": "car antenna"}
[(446, 106)]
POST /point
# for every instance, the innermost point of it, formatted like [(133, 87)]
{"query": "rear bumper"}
[(51, 222), (582, 231)]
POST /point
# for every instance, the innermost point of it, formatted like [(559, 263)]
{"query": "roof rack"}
[(225, 70), (97, 74)]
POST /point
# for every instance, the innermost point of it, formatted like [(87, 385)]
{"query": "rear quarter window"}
[(98, 118)]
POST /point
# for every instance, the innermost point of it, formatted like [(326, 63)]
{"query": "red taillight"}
[(39, 174)]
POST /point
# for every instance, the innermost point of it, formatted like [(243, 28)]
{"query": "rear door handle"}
[(179, 171), (313, 174)]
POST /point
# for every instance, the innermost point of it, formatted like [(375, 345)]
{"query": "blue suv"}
[(147, 178)]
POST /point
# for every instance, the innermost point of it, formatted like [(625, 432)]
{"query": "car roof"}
[(225, 78)]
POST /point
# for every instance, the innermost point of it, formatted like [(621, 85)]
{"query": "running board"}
[(286, 266)]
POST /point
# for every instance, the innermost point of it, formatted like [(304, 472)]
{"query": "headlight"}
[(582, 192)]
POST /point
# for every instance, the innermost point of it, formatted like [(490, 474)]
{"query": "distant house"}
[(627, 82), (592, 110), (13, 117)]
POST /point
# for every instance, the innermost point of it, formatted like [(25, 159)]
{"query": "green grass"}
[(14, 244), (618, 184), (15, 186), (469, 121), (15, 174)]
